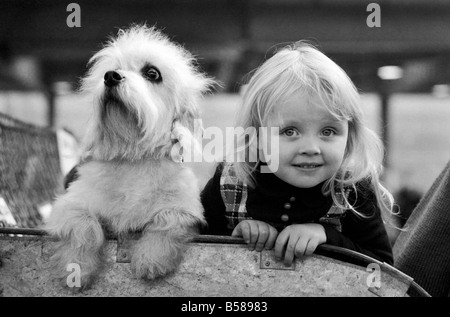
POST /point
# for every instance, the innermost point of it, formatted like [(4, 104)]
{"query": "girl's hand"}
[(299, 240), (257, 234)]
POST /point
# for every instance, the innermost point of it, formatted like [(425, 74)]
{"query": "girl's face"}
[(312, 142)]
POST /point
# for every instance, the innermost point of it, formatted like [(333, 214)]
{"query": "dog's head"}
[(141, 83)]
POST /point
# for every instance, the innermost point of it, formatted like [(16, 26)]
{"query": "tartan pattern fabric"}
[(234, 195)]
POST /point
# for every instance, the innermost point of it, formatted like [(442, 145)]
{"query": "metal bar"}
[(326, 250)]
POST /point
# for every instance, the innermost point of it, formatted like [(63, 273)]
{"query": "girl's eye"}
[(328, 132), (152, 74), (290, 132)]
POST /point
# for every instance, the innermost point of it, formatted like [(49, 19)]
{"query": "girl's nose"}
[(309, 146)]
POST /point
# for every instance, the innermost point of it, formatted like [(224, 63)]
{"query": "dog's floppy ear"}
[(188, 117), (186, 144), (194, 86), (187, 128)]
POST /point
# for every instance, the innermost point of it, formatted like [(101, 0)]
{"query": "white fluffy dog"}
[(145, 90)]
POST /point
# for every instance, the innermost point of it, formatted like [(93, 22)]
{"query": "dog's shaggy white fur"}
[(145, 90)]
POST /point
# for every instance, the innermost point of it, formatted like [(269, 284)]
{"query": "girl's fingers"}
[(300, 247), (243, 230), (253, 234), (263, 234), (273, 233), (280, 244), (238, 230), (311, 247), (291, 249)]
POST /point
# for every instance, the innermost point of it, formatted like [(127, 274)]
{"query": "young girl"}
[(325, 187)]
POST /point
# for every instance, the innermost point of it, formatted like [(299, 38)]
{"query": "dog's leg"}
[(160, 249), (78, 254)]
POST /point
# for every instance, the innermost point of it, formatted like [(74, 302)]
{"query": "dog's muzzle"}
[(113, 78)]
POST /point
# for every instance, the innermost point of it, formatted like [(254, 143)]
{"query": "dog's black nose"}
[(112, 78)]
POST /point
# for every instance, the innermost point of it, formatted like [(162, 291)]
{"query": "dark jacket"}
[(268, 201)]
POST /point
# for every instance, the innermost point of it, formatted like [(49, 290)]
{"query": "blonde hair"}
[(301, 67)]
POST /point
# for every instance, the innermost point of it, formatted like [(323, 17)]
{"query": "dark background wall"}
[(231, 37)]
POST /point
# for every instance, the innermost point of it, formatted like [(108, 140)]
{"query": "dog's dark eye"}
[(152, 73)]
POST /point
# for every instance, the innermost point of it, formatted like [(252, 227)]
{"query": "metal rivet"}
[(284, 217), (287, 206)]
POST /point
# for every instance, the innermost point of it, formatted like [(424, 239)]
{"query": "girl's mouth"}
[(308, 165)]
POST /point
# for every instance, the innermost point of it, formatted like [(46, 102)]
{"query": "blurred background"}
[(401, 67)]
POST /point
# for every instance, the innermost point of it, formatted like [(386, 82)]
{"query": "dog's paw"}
[(74, 285), (150, 271), (72, 276), (151, 267)]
